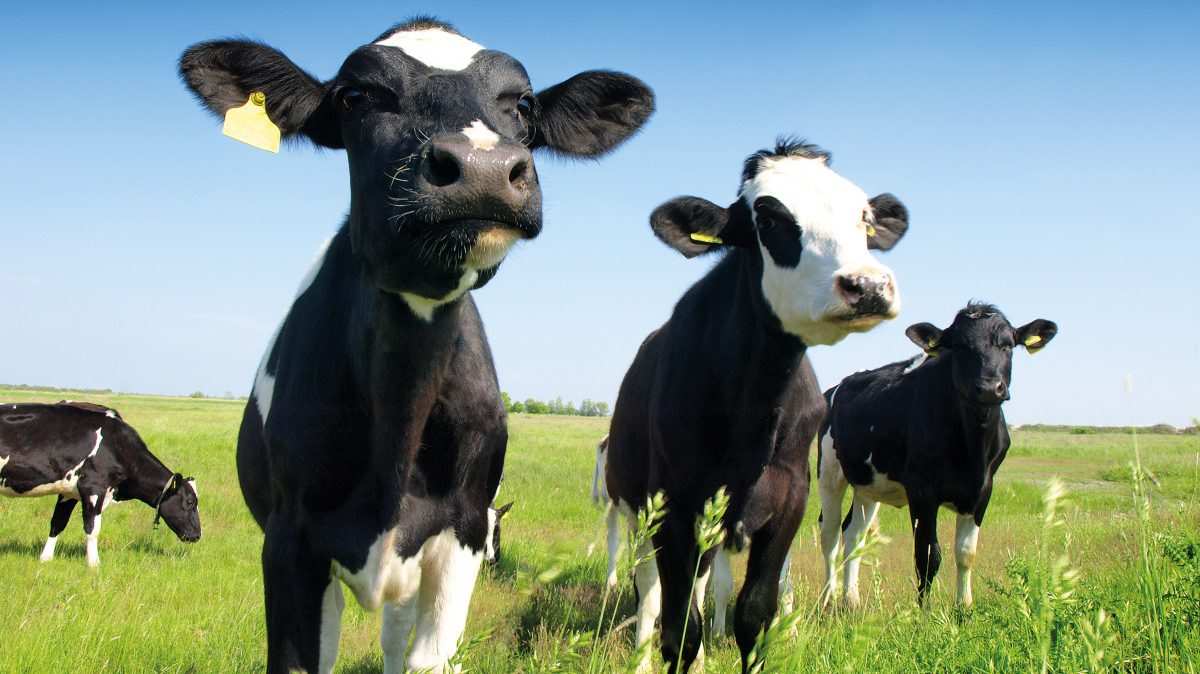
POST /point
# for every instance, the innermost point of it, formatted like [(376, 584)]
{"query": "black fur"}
[(938, 430), (43, 443), (383, 421)]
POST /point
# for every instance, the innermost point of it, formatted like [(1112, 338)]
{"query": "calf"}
[(374, 439), (85, 453), (722, 394), (924, 433)]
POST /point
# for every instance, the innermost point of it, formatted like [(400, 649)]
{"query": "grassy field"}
[(1128, 548)]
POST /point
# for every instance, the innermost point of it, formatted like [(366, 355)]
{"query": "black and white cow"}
[(722, 394), (719, 580), (374, 439), (85, 453), (925, 433)]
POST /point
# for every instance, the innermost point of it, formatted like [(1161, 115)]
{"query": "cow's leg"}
[(862, 516), (677, 555), (649, 600), (398, 621), (90, 504), (58, 521), (966, 540), (758, 601), (927, 553), (722, 581), (832, 485), (787, 600), (613, 522), (296, 586), (332, 604), (448, 572)]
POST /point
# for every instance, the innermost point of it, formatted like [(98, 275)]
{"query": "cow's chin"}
[(833, 328), (492, 244)]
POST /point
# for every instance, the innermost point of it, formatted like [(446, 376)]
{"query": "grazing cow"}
[(374, 439), (722, 394), (924, 433), (85, 453), (720, 580)]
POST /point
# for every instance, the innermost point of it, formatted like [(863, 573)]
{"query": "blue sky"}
[(1048, 155)]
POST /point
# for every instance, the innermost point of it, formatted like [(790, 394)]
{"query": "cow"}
[(84, 453), (374, 438), (924, 433), (491, 549), (719, 581), (723, 395)]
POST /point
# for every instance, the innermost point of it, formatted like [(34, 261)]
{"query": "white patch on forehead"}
[(434, 47), (828, 209), (481, 137)]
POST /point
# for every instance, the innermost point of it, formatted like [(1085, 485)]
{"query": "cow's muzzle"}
[(479, 181)]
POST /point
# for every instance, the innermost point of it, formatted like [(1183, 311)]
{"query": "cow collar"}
[(161, 495)]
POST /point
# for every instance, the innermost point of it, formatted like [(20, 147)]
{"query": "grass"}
[(1104, 575)]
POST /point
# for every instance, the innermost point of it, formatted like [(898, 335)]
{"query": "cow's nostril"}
[(851, 287), (441, 167), (518, 176)]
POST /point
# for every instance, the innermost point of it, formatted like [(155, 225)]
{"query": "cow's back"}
[(46, 444), (628, 460)]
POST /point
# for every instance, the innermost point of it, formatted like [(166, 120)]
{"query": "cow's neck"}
[(773, 356), (147, 478), (978, 426)]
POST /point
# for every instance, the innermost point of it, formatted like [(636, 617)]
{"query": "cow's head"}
[(812, 230), (980, 343), (438, 131), (179, 507), (491, 546)]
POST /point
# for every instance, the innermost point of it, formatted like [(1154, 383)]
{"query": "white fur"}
[(429, 591), (481, 137), (332, 604), (264, 380), (93, 543), (599, 485), (722, 581), (423, 307), (832, 486), (917, 361), (489, 544), (862, 518), (966, 542), (110, 414), (3, 462), (434, 47), (645, 575), (48, 549), (829, 211)]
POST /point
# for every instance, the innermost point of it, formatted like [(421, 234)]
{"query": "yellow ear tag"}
[(1032, 340), (706, 238), (250, 124), (870, 230)]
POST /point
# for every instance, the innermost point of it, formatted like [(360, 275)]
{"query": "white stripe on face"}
[(828, 209), (434, 47), (481, 137)]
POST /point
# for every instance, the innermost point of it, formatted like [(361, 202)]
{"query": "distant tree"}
[(517, 407), (587, 408), (570, 409), (536, 406), (506, 400), (601, 409), (197, 394)]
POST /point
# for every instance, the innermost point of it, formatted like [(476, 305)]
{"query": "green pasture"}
[(1107, 581)]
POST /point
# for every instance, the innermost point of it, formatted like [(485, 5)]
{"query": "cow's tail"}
[(599, 487)]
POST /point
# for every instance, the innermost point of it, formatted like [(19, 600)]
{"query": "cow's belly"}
[(65, 486), (883, 490)]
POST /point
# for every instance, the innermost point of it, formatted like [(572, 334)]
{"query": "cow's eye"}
[(525, 106), (350, 98)]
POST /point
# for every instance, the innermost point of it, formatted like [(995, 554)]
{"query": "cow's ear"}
[(925, 335), (694, 226), (1035, 335), (591, 113), (224, 73), (503, 510), (891, 222)]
